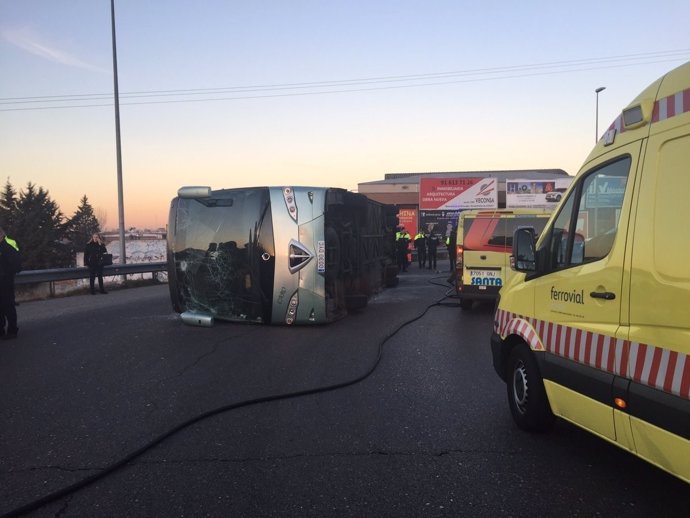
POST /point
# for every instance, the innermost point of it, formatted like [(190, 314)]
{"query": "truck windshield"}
[(223, 253)]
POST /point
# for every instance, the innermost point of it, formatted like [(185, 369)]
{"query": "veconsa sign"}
[(458, 193)]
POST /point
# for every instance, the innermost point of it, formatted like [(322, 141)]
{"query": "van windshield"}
[(493, 234)]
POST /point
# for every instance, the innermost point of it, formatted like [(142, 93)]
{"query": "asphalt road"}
[(428, 433)]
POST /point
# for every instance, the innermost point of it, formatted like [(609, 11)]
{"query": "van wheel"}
[(526, 394), (466, 304)]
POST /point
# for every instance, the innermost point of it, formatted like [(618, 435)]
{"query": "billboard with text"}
[(458, 193), (536, 194), (439, 222), (408, 219)]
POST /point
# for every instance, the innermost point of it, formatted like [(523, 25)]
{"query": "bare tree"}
[(101, 216)]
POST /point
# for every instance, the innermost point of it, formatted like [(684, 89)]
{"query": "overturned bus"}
[(278, 255)]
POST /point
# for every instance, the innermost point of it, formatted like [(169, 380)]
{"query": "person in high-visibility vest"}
[(450, 244), (12, 243), (420, 246), (10, 265), (402, 239)]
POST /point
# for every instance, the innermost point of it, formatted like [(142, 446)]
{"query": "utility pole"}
[(596, 124), (118, 144)]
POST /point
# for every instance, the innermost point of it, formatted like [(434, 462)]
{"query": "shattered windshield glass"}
[(224, 254)]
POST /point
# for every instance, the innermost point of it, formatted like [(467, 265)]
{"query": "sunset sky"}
[(312, 92)]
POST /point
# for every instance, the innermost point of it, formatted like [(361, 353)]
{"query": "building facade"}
[(432, 200)]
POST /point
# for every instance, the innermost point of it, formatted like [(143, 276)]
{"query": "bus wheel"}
[(526, 394)]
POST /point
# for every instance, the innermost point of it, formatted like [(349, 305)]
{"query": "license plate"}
[(321, 256)]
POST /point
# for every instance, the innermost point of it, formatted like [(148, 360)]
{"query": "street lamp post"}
[(118, 145), (596, 123)]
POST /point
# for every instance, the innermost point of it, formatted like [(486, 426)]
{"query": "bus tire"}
[(527, 398)]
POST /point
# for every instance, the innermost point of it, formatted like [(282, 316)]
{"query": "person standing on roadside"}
[(93, 258), (402, 239), (452, 249), (432, 245), (420, 246), (10, 265)]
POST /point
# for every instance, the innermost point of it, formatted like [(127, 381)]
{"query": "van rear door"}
[(487, 245), (484, 248)]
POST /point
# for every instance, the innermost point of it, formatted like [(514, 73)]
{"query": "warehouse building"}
[(432, 201), (402, 189)]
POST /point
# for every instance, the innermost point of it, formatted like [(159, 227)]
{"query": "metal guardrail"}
[(65, 274)]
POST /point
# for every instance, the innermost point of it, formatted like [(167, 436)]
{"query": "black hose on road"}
[(61, 493)]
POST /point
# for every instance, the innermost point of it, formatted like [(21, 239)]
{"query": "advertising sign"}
[(458, 193), (408, 219), (536, 194), (439, 222)]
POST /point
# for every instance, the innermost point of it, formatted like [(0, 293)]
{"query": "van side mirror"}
[(523, 259)]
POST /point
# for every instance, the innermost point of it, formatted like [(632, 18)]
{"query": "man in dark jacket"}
[(451, 241), (432, 245), (402, 239), (420, 246), (10, 265)]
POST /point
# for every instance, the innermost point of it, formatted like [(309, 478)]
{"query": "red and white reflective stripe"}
[(599, 351), (524, 329), (664, 109), (646, 364), (660, 368), (671, 106), (618, 124)]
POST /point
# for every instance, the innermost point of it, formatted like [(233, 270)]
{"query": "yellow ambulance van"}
[(594, 327), (484, 244)]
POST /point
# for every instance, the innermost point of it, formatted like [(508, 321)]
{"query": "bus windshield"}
[(224, 255)]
